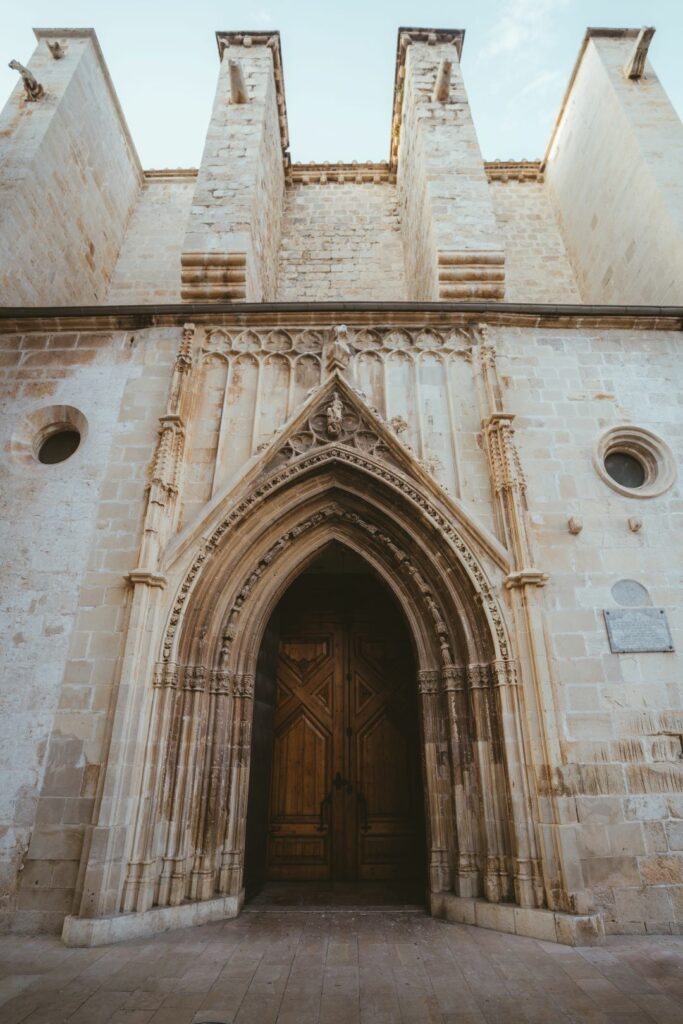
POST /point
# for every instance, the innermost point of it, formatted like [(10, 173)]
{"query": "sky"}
[(338, 63)]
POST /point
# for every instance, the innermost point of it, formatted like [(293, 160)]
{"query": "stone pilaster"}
[(233, 235), (452, 245)]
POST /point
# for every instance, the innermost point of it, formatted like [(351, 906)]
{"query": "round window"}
[(57, 447), (625, 469), (634, 461), (49, 436)]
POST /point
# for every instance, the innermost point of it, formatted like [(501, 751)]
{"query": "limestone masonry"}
[(466, 373)]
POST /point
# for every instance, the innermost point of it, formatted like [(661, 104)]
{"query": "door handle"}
[(325, 802), (339, 782)]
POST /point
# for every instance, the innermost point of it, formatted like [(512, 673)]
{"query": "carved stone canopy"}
[(335, 414)]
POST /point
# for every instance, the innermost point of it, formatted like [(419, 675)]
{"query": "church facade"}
[(341, 505)]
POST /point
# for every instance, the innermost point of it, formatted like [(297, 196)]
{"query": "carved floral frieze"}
[(264, 342)]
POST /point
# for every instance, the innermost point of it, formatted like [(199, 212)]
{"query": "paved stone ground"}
[(340, 967)]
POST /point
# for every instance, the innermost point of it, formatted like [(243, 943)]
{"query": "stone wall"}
[(620, 714), (340, 241), (64, 614), (537, 268), (69, 179), (66, 607), (453, 246), (613, 171), (148, 267), (53, 528), (233, 234)]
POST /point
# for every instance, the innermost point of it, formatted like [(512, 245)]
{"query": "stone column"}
[(465, 782), (233, 234), (119, 857), (230, 879), (453, 248), (437, 781)]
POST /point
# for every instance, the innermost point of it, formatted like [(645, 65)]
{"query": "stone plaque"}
[(638, 630)]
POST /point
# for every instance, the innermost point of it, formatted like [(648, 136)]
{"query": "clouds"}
[(521, 26)]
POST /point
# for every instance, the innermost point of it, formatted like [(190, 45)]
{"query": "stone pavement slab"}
[(343, 966)]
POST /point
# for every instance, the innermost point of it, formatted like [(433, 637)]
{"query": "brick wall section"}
[(620, 714), (341, 241), (148, 267), (537, 268), (237, 205), (69, 179), (614, 173)]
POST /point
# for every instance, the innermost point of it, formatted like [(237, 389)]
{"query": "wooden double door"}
[(345, 793)]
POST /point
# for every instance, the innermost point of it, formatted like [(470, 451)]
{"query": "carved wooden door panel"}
[(384, 729), (308, 671), (345, 801)]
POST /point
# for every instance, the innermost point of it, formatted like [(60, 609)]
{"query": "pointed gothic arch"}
[(361, 488)]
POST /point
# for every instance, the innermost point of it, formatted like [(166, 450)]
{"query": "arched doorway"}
[(335, 793)]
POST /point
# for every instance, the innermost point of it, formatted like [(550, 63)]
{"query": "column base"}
[(100, 931), (548, 925)]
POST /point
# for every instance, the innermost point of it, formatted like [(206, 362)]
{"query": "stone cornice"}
[(272, 40), (171, 172), (513, 170), (406, 36), (22, 320), (340, 173)]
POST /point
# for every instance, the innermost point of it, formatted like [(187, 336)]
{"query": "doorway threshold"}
[(337, 897)]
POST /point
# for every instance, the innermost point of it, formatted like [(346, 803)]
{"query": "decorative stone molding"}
[(428, 681), (334, 511), (147, 578), (213, 276), (336, 419), (526, 578), (468, 275), (328, 455), (507, 474), (294, 342), (367, 173), (647, 448), (167, 462), (514, 170), (311, 448)]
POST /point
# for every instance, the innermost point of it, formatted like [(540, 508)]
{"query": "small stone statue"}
[(335, 412), (339, 351), (34, 89), (55, 49)]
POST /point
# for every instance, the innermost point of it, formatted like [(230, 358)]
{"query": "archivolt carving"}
[(318, 459), (335, 511)]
